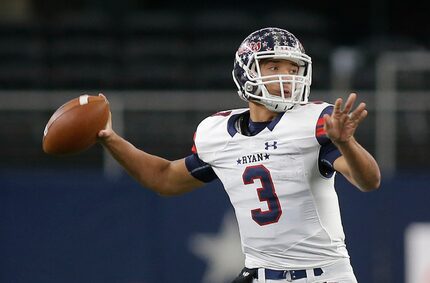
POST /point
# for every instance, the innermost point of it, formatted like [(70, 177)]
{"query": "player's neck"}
[(259, 113)]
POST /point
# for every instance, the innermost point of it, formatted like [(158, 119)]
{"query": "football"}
[(74, 126)]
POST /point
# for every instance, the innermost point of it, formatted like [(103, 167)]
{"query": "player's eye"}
[(273, 68)]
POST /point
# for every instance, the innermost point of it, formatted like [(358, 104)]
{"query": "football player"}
[(276, 159)]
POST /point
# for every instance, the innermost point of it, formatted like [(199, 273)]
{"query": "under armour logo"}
[(270, 145), (245, 273)]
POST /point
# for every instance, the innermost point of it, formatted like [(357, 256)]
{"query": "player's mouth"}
[(287, 93)]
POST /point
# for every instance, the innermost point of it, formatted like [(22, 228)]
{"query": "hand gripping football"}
[(74, 126)]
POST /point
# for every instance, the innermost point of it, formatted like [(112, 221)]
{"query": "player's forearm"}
[(364, 170), (149, 170)]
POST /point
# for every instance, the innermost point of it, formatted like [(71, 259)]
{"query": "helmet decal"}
[(249, 47)]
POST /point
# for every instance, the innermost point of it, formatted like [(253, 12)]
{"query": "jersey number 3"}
[(265, 193)]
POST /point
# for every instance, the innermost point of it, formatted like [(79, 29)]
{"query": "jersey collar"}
[(233, 128)]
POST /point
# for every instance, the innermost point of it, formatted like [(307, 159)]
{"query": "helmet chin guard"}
[(276, 44)]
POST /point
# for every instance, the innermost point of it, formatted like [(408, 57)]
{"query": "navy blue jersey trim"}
[(327, 155), (275, 121), (231, 124), (328, 152), (319, 128), (200, 169), (256, 127)]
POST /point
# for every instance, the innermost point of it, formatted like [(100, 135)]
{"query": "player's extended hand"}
[(107, 132), (340, 126)]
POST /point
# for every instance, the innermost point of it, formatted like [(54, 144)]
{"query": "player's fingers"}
[(344, 118), (337, 106), (357, 112), (102, 95), (109, 122), (102, 134), (349, 102), (362, 116)]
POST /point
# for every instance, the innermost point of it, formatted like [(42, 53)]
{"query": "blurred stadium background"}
[(165, 66)]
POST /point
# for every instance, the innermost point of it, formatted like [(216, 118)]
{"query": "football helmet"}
[(276, 44)]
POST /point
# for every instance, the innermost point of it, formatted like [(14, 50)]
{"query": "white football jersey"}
[(287, 210)]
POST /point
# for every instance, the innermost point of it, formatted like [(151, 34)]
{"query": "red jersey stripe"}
[(193, 148), (320, 132), (320, 121)]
